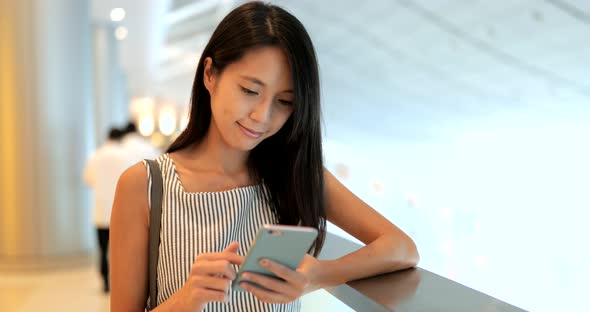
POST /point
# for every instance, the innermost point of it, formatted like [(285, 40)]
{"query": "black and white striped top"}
[(195, 223)]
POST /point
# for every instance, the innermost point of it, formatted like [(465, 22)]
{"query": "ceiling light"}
[(146, 125), (167, 121), (121, 33), (117, 14)]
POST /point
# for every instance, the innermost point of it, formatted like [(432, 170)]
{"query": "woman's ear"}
[(209, 75)]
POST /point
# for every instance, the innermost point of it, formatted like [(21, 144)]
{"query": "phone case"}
[(283, 244)]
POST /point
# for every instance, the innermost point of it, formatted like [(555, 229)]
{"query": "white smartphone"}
[(284, 244)]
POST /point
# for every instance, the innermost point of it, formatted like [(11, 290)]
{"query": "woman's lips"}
[(249, 132)]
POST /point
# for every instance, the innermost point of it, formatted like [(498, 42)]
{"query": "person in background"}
[(136, 146), (101, 173)]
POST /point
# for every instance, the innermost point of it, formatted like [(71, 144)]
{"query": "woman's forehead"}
[(267, 66)]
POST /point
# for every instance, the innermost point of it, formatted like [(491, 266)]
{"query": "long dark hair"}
[(289, 164)]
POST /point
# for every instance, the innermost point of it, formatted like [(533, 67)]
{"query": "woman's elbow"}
[(412, 254), (407, 255)]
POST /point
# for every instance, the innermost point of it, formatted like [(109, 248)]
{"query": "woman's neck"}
[(213, 154)]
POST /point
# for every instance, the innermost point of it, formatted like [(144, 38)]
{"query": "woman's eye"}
[(285, 102), (248, 91)]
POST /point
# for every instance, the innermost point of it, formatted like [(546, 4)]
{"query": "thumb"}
[(233, 247)]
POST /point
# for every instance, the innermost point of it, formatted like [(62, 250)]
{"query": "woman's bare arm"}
[(129, 242)]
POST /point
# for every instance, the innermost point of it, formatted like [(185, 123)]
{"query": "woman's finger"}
[(273, 284), (214, 268), (233, 247), (225, 255), (212, 283), (265, 295), (212, 295), (293, 277)]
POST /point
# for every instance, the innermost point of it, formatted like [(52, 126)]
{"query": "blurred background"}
[(466, 123)]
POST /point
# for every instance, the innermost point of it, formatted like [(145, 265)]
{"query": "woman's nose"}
[(262, 111)]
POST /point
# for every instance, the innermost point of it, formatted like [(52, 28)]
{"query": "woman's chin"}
[(244, 145)]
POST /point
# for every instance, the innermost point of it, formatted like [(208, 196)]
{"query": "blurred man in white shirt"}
[(138, 147), (102, 172)]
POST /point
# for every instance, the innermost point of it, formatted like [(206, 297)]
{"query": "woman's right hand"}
[(209, 279)]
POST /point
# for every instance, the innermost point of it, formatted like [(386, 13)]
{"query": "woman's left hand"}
[(294, 284), (311, 267)]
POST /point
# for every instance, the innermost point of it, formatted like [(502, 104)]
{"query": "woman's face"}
[(252, 98)]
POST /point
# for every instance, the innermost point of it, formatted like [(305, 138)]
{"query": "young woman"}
[(251, 154)]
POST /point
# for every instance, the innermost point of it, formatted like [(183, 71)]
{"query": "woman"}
[(251, 154)]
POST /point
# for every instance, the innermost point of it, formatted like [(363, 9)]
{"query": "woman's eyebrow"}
[(254, 80)]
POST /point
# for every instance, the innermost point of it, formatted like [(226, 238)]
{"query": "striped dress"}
[(196, 223)]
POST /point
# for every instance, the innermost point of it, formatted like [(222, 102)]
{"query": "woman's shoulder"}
[(134, 179), (131, 201)]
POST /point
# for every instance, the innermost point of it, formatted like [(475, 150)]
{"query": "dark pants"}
[(103, 244)]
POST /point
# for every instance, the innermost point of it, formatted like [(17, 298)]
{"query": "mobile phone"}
[(284, 244)]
